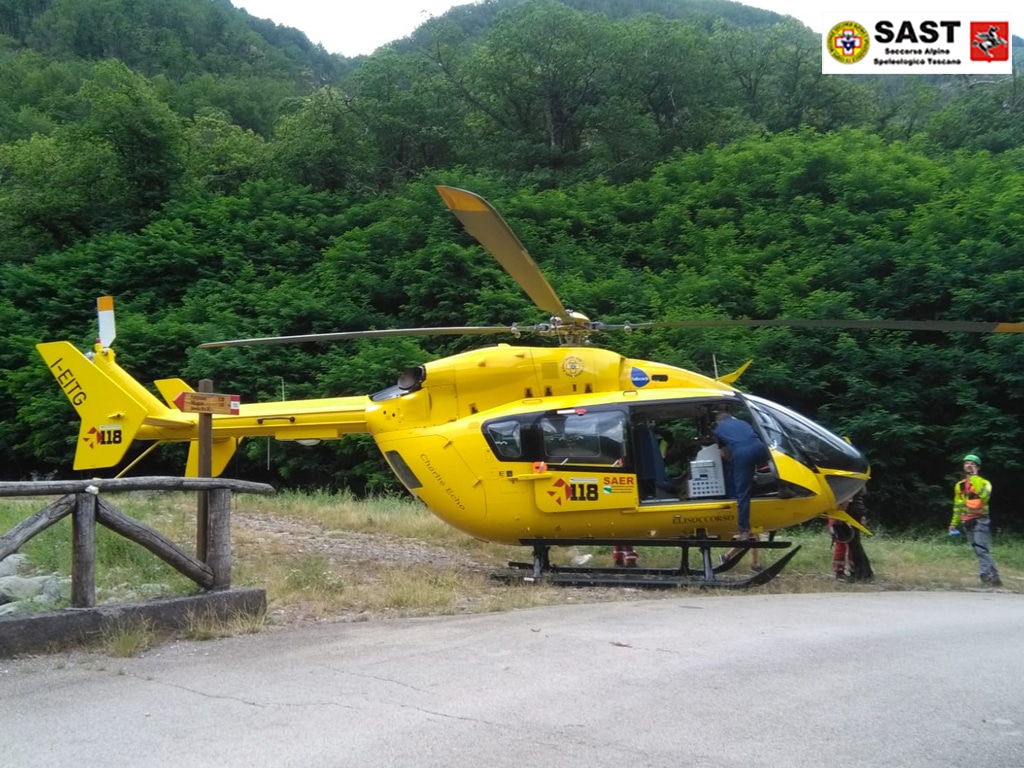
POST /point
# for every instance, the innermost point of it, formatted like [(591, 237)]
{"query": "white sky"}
[(354, 27)]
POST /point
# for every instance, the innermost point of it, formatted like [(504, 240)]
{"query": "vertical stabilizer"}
[(110, 415)]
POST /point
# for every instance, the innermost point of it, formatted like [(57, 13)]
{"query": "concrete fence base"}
[(59, 630)]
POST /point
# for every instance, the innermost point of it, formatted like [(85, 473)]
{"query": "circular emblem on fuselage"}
[(848, 42), (572, 366)]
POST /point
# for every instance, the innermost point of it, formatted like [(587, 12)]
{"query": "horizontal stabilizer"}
[(170, 389)]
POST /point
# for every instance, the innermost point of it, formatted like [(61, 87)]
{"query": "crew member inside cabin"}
[(743, 452)]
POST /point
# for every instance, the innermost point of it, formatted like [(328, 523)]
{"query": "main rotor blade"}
[(944, 326), (342, 335), (486, 225)]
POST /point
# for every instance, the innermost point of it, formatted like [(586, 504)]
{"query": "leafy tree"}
[(775, 76), (665, 73), (39, 93), (984, 113), (220, 156), (145, 135), (252, 103), (410, 115), (321, 146), (58, 190), (537, 81)]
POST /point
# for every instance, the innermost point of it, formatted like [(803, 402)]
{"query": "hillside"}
[(222, 178)]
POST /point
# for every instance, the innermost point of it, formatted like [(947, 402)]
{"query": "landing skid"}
[(709, 575)]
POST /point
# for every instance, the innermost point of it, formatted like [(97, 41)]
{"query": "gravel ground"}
[(365, 557), (307, 537)]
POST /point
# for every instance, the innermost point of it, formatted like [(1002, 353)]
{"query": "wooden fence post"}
[(83, 551), (218, 556)]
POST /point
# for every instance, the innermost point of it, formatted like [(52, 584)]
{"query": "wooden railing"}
[(83, 501)]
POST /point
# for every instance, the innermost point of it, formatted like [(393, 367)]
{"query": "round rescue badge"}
[(572, 366), (848, 42)]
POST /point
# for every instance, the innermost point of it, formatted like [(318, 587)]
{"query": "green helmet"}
[(973, 457)]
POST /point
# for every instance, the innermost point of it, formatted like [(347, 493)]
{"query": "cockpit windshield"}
[(802, 439)]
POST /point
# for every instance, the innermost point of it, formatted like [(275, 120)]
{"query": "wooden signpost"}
[(206, 403)]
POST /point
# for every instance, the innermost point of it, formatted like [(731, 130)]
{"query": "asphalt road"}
[(865, 679)]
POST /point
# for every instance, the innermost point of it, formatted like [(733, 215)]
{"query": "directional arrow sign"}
[(207, 402)]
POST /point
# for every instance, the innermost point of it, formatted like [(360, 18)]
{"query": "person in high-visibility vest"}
[(971, 497)]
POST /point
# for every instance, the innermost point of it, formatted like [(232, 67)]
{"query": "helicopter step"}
[(708, 575)]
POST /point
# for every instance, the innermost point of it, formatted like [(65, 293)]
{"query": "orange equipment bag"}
[(974, 503)]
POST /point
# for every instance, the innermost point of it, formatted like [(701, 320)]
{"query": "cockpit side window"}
[(506, 436), (573, 437)]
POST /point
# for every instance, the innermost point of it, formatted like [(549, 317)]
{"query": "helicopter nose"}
[(810, 443)]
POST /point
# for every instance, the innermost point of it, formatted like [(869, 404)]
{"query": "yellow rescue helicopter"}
[(523, 445)]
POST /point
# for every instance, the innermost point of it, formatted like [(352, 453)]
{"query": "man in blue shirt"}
[(742, 453)]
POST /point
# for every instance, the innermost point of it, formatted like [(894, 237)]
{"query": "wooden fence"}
[(82, 499)]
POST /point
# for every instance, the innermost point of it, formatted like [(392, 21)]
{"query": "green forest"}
[(222, 177)]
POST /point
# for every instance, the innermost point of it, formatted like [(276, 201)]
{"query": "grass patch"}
[(208, 625), (129, 637), (421, 590)]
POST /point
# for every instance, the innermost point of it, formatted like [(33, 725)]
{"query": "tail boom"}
[(115, 409)]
